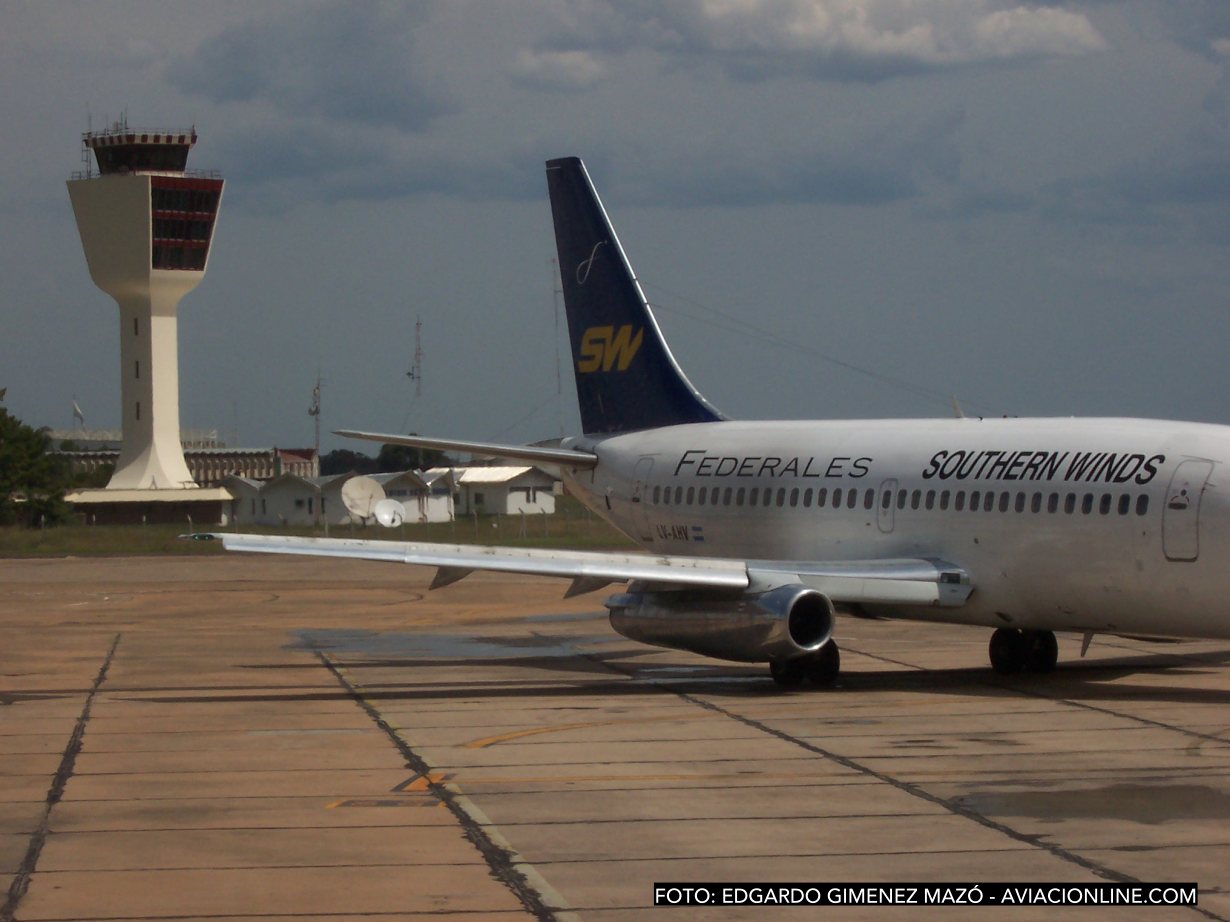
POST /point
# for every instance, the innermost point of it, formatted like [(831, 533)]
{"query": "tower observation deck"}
[(146, 223)]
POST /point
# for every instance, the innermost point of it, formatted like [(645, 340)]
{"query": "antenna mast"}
[(314, 412), (415, 373)]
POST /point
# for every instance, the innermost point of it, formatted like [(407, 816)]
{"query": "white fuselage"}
[(1103, 525)]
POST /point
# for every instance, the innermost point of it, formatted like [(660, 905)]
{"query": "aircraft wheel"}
[(823, 666), (788, 673), (1042, 651), (1009, 651)]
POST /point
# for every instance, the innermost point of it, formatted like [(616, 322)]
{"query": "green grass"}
[(572, 526)]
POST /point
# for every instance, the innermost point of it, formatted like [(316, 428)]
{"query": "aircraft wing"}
[(913, 581), (564, 457)]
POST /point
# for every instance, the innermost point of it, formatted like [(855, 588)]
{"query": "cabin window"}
[(726, 496), (807, 498), (1069, 503), (887, 501), (691, 495), (837, 497), (975, 500), (1020, 502), (752, 495), (1104, 505), (1004, 499), (794, 497), (930, 503), (1142, 504), (988, 501), (739, 496), (1035, 505), (821, 496), (1125, 504), (1087, 504), (781, 496), (657, 495), (678, 496), (915, 499), (901, 495), (700, 496), (851, 498), (869, 500), (958, 501)]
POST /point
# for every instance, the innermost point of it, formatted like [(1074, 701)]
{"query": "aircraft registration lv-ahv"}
[(759, 533)]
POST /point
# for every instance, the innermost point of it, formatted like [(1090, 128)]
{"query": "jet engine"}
[(779, 624)]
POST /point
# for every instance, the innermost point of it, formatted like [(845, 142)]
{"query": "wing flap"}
[(903, 581)]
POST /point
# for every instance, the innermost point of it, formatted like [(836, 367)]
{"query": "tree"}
[(343, 461), (32, 482), (405, 458)]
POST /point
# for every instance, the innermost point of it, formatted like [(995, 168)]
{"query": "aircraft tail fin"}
[(626, 377)]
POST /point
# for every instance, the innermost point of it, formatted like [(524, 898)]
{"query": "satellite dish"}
[(360, 496), (390, 513)]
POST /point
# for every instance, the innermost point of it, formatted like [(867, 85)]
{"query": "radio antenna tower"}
[(415, 373), (314, 411)]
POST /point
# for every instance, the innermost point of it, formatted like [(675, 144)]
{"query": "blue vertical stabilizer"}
[(626, 377)]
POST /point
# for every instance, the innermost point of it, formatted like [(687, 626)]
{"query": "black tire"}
[(788, 673), (823, 666), (1042, 651), (1008, 651)]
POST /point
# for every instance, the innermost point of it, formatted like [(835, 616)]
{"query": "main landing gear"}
[(819, 668), (1015, 651)]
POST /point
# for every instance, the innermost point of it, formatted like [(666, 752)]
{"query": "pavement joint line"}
[(909, 788), (901, 785), (505, 864), (21, 880), (1180, 658)]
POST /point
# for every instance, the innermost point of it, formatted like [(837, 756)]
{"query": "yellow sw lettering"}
[(606, 348)]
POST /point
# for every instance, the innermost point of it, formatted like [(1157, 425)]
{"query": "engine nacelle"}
[(778, 624)]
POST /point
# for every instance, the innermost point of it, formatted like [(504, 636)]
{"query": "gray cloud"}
[(352, 61), (860, 40), (889, 163), (558, 70)]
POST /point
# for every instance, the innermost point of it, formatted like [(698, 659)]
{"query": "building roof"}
[(387, 477), (473, 475)]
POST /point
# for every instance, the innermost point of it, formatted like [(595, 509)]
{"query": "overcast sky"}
[(840, 207)]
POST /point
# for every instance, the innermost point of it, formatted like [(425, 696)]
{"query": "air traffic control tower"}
[(146, 223)]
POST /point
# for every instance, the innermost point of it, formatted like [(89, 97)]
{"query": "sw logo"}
[(604, 348)]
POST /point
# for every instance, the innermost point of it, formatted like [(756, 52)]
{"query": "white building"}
[(425, 500), (294, 500), (502, 490)]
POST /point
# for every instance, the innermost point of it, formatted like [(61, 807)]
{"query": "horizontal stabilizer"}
[(563, 457)]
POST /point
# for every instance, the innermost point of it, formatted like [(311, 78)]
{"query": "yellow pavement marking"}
[(484, 742)]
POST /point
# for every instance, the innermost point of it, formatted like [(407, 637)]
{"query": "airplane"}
[(759, 533)]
